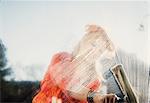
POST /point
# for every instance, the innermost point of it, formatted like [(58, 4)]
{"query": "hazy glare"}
[(34, 31)]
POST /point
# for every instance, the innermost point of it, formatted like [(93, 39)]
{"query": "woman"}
[(64, 81)]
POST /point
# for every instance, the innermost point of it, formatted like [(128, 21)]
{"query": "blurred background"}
[(32, 31)]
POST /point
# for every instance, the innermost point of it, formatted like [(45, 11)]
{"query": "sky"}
[(33, 31)]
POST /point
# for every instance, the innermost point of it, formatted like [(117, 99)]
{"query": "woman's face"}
[(88, 42)]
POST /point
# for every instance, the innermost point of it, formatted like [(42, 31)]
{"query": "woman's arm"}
[(96, 96), (80, 95)]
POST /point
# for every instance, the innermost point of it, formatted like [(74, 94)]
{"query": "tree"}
[(4, 70), (14, 91)]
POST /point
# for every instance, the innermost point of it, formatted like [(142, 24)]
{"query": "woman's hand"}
[(94, 28), (56, 100), (108, 98)]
